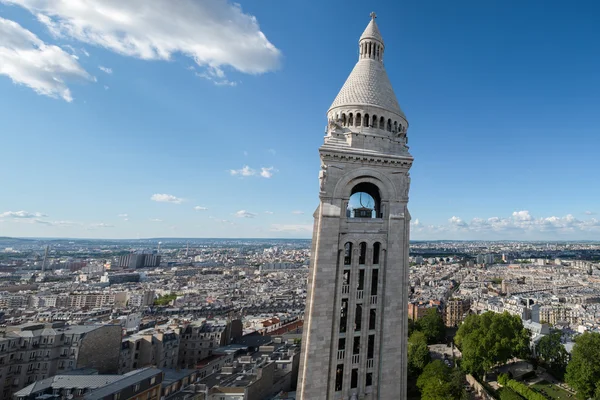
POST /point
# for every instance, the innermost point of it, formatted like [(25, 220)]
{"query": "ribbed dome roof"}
[(368, 85)]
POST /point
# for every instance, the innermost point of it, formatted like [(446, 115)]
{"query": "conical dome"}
[(368, 83)]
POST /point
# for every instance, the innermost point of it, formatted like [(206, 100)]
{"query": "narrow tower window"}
[(358, 120), (389, 124), (346, 277), (344, 119), (358, 318), (361, 280), (374, 123), (372, 318), (366, 120), (356, 345), (354, 379), (395, 126), (369, 381), (381, 123), (339, 377), (348, 253), (344, 316), (374, 282), (371, 346), (342, 344), (376, 248), (363, 253), (350, 119)]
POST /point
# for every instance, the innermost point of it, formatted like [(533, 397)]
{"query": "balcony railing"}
[(341, 354), (370, 362), (374, 300), (355, 358), (345, 289), (360, 294)]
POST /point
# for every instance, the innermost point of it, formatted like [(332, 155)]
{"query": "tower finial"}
[(373, 15)]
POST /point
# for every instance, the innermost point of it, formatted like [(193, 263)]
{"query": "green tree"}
[(432, 325), (551, 350), (490, 339), (440, 382), (583, 371), (418, 353)]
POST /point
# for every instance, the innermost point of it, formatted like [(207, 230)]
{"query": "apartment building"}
[(34, 351)]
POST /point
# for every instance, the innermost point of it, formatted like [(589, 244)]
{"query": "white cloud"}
[(122, 215), (300, 228), (200, 208), (457, 221), (214, 33), (155, 220), (84, 51), (28, 61), (519, 225), (244, 171), (268, 212), (522, 215), (272, 151), (244, 214), (106, 87), (21, 214), (267, 172), (297, 212), (106, 69), (590, 213), (166, 198)]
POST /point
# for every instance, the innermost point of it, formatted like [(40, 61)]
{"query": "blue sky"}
[(145, 119)]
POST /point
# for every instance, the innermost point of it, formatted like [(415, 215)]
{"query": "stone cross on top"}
[(373, 15)]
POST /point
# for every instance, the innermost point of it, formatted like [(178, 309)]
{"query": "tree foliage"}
[(525, 390), (440, 382), (583, 371), (418, 353), (490, 339), (432, 325), (551, 350), (165, 300)]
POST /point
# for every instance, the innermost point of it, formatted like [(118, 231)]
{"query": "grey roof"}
[(69, 381), (368, 85), (126, 380)]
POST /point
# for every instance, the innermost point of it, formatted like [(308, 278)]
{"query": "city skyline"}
[(107, 137)]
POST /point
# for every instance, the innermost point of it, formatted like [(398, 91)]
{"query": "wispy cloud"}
[(268, 212), (272, 151), (160, 29), (21, 214), (298, 212), (267, 172), (590, 213), (200, 208), (28, 61), (155, 220), (166, 198), (244, 214), (106, 69), (244, 171), (101, 225)]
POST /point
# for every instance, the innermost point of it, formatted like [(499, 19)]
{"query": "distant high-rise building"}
[(355, 333)]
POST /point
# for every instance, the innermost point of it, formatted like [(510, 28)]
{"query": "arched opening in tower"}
[(365, 201)]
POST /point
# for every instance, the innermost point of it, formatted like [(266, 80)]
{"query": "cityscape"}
[(167, 231)]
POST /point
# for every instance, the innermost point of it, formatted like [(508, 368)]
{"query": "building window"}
[(376, 249), (372, 318), (369, 379), (356, 347), (371, 346), (342, 344), (348, 253), (358, 318), (361, 280), (374, 282), (153, 380), (364, 202), (362, 258), (339, 377), (344, 315), (354, 379)]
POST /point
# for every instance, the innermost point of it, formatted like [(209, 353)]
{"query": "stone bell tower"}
[(355, 331)]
